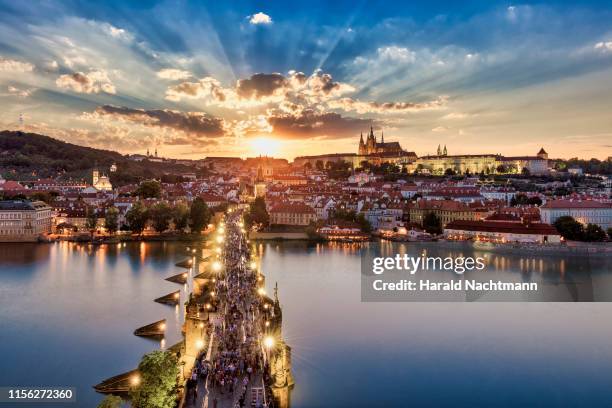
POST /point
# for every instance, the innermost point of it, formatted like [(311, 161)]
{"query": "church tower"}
[(362, 148), (439, 152), (542, 154), (371, 142), (95, 176), (260, 183), (445, 152)]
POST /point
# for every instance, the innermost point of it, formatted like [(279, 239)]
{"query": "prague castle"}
[(371, 151), (372, 146), (377, 152)]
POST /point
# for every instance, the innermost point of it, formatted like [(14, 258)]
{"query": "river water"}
[(67, 313)]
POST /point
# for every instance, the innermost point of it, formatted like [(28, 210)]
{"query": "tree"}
[(364, 224), (91, 219), (160, 215), (610, 233), (111, 401), (200, 215), (319, 165), (525, 172), (180, 216), (501, 169), (158, 381), (308, 166), (432, 224), (111, 219), (594, 233), (137, 217), (148, 189), (449, 172), (258, 214), (569, 228)]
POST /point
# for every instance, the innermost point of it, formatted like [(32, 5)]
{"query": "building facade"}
[(502, 232), (481, 163), (24, 221), (585, 212), (446, 210), (292, 214)]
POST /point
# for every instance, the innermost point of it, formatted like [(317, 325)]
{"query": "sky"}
[(196, 78)]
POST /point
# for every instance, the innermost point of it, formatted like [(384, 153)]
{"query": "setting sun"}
[(263, 146)]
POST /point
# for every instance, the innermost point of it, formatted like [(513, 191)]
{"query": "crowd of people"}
[(238, 356)]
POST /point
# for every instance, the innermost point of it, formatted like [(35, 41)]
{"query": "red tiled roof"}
[(293, 208), (575, 204)]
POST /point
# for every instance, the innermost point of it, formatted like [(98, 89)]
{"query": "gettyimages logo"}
[(441, 275), (412, 264)]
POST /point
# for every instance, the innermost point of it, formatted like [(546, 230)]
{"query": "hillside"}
[(26, 156)]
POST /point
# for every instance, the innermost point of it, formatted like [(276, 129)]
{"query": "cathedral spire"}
[(445, 151), (439, 151), (361, 138), (382, 137)]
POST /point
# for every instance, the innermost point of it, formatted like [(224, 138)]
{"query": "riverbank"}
[(570, 248), (115, 239)]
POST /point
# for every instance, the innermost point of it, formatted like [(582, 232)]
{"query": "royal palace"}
[(376, 152)]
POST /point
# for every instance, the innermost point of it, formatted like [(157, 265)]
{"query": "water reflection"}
[(68, 312)]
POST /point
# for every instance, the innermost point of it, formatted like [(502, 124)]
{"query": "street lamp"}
[(135, 380), (268, 343)]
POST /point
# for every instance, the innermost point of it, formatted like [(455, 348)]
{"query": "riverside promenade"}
[(240, 325)]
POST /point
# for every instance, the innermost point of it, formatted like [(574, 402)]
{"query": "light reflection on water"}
[(353, 354), (68, 312)]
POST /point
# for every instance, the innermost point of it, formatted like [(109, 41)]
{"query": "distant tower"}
[(156, 152), (21, 121), (260, 183), (445, 152), (362, 147), (148, 155), (113, 168), (542, 154), (95, 176), (371, 142), (439, 151), (382, 138)]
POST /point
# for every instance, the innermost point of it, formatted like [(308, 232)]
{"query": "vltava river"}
[(67, 313)]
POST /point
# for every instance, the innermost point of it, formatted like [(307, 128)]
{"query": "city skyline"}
[(191, 80)]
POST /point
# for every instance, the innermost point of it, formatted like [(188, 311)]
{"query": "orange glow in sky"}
[(265, 146)]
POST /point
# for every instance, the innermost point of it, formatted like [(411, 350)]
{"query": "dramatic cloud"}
[(206, 88), (197, 124), (51, 65), (259, 86), (260, 18), (173, 74), (15, 66), (605, 46), (394, 53), (23, 93), (260, 89), (92, 82), (349, 104), (310, 123)]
